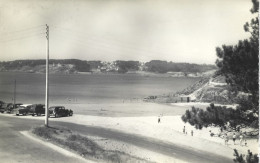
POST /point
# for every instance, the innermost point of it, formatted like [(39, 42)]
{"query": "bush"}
[(250, 158)]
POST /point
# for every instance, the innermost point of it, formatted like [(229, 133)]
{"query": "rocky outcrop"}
[(211, 89)]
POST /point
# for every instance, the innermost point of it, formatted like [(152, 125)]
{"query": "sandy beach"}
[(144, 122)]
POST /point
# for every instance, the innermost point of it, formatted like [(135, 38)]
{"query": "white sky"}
[(144, 30)]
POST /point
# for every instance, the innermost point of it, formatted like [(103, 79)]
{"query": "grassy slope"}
[(82, 145)]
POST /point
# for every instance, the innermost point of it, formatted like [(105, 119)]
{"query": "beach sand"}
[(142, 119)]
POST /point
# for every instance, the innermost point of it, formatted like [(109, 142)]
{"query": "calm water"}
[(82, 88)]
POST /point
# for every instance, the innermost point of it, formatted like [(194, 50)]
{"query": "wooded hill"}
[(119, 66)]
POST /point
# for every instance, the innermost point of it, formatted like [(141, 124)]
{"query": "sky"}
[(108, 30)]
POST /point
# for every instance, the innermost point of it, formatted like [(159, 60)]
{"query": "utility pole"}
[(47, 78), (14, 92)]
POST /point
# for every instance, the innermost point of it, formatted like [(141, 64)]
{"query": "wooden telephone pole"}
[(14, 92), (47, 78)]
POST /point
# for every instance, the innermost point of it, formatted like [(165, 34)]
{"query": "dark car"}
[(2, 106), (37, 109), (60, 111), (10, 107), (23, 109)]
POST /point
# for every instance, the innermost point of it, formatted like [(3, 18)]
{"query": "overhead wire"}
[(21, 34), (25, 29), (95, 46), (81, 43), (20, 38), (78, 37), (106, 41)]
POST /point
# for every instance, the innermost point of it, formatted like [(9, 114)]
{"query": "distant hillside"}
[(76, 66), (211, 89), (164, 67), (38, 66)]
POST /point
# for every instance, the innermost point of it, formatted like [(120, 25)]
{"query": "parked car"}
[(10, 108), (2, 107), (37, 109), (23, 109), (60, 111)]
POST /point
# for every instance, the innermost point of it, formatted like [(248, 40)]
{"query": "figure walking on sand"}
[(184, 129), (234, 138), (241, 138), (244, 137), (226, 139), (159, 120), (191, 132)]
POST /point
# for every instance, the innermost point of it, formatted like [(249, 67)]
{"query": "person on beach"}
[(241, 139), (159, 120), (191, 132), (226, 139), (211, 133), (234, 138), (184, 129), (221, 129), (244, 136)]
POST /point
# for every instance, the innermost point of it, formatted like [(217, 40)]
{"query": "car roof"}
[(24, 105)]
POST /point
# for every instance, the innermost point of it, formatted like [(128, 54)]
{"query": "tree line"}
[(156, 66), (164, 67)]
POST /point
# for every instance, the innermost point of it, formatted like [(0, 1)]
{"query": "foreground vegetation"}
[(239, 64), (82, 145)]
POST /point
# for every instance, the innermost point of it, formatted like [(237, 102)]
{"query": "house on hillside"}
[(184, 99)]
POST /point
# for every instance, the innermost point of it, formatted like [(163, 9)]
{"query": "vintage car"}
[(37, 109), (23, 109), (2, 106), (60, 111), (11, 107)]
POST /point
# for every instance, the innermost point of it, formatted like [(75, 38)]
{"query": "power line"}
[(112, 48), (20, 38), (106, 45), (20, 35), (25, 29), (105, 41)]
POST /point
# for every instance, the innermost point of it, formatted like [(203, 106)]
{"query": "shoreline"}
[(139, 73)]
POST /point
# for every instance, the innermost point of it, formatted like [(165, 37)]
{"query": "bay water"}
[(87, 88)]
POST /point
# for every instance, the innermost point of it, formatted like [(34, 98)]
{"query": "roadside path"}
[(15, 147)]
